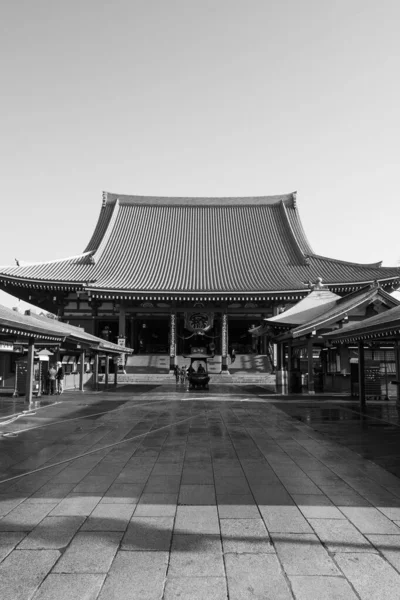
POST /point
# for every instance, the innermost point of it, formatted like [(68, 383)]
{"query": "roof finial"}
[(318, 285), (105, 198)]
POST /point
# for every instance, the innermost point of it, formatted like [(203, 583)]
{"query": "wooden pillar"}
[(224, 341), (81, 370), (122, 321), (279, 362), (96, 372), (29, 370), (290, 366), (397, 362), (361, 374), (40, 373), (172, 340), (133, 333), (311, 389), (116, 369), (107, 372)]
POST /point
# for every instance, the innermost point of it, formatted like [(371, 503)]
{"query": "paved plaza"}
[(157, 492)]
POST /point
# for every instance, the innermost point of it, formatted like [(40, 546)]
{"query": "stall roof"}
[(319, 300), (78, 334), (385, 325), (41, 328), (13, 323), (324, 315)]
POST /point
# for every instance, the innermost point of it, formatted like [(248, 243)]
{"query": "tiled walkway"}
[(211, 495)]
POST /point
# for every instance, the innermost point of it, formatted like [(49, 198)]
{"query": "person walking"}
[(52, 380), (183, 374), (60, 378)]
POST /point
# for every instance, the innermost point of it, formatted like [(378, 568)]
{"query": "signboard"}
[(199, 321), (6, 347), (121, 357)]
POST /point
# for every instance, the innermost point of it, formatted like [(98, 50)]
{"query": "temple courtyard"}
[(156, 492)]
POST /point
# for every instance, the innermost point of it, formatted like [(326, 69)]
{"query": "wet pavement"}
[(155, 492)]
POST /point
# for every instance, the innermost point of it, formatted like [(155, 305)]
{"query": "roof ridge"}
[(376, 265), (111, 198), (23, 263), (107, 232), (297, 246)]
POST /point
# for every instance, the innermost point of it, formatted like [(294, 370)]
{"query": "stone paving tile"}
[(197, 519), (195, 588), (232, 485), (23, 571), (340, 536), (89, 552), (389, 546), (317, 507), (25, 516), (157, 505), (52, 492), (94, 484), (245, 536), (136, 576), (72, 475), (274, 495), (196, 556), (70, 587), (371, 576), (125, 493), (284, 519), (321, 588), (255, 576), (52, 533), (303, 555), (197, 478), (237, 506), (8, 541), (345, 499), (148, 534), (133, 475), (9, 501), (76, 505), (391, 512), (168, 484), (109, 517), (197, 495), (369, 520)]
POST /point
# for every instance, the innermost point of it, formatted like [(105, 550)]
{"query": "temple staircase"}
[(154, 364), (154, 368)]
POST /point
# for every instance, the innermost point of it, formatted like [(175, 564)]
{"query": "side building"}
[(173, 275)]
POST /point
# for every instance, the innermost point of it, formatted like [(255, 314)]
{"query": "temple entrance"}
[(239, 337), (210, 339), (152, 335)]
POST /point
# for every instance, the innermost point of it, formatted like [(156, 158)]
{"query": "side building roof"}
[(385, 325), (234, 246), (41, 328)]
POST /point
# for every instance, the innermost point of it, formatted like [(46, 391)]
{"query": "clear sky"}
[(200, 98)]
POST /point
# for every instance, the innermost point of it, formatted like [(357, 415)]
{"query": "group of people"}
[(54, 381), (182, 373)]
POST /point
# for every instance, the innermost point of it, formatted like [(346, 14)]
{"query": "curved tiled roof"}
[(386, 324), (207, 245)]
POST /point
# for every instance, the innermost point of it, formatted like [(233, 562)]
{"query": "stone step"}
[(216, 379)]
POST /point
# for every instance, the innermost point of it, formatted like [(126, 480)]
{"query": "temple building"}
[(168, 276)]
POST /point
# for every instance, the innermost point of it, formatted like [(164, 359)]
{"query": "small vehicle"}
[(198, 378)]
